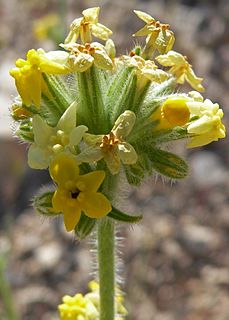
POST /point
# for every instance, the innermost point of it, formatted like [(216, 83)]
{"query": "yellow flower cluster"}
[(90, 115), (86, 307)]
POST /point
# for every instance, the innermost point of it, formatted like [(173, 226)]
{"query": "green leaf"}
[(133, 175), (168, 164), (84, 227), (42, 203), (25, 131), (123, 217)]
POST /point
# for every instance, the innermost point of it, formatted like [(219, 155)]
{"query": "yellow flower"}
[(208, 127), (181, 69), (42, 26), (28, 73), (111, 147), (145, 69), (87, 26), (82, 57), (77, 307), (174, 112), (77, 193), (49, 141), (86, 307), (158, 34)]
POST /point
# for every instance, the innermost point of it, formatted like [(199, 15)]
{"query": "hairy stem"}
[(106, 262)]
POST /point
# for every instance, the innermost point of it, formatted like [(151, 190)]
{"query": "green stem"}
[(106, 261), (5, 292)]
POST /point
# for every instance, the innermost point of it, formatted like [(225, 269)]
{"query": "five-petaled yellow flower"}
[(28, 73), (82, 57), (112, 147), (77, 193), (87, 26), (181, 69), (158, 34)]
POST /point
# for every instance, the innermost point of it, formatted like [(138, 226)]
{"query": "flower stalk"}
[(106, 268)]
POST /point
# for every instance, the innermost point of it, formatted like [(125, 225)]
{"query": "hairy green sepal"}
[(84, 227), (43, 204)]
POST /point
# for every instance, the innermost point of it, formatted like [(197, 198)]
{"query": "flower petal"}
[(112, 161), (59, 200), (171, 58), (92, 180), (68, 120), (124, 124), (82, 62), (71, 217), (102, 60), (193, 80), (144, 16), (77, 134), (96, 205), (100, 31), (91, 14), (90, 154), (63, 168), (38, 158), (42, 132), (142, 32), (127, 153)]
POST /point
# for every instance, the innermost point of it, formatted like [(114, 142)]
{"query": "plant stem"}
[(106, 262), (5, 292)]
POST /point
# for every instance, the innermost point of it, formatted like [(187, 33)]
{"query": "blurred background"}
[(176, 262)]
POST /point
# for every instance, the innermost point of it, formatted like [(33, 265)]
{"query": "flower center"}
[(86, 49), (109, 142), (162, 26), (75, 193)]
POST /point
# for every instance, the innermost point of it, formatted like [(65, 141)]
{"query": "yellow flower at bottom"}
[(174, 112), (77, 193), (87, 307), (77, 307)]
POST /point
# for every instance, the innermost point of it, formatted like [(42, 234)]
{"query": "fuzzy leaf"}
[(84, 227), (123, 217), (168, 164), (134, 174), (43, 204), (25, 131)]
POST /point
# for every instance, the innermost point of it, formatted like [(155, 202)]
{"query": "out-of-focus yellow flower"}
[(28, 73), (145, 69), (42, 26), (82, 57), (86, 307), (77, 307), (87, 26), (158, 34), (49, 141), (208, 126), (77, 193), (181, 69), (174, 112), (111, 147)]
